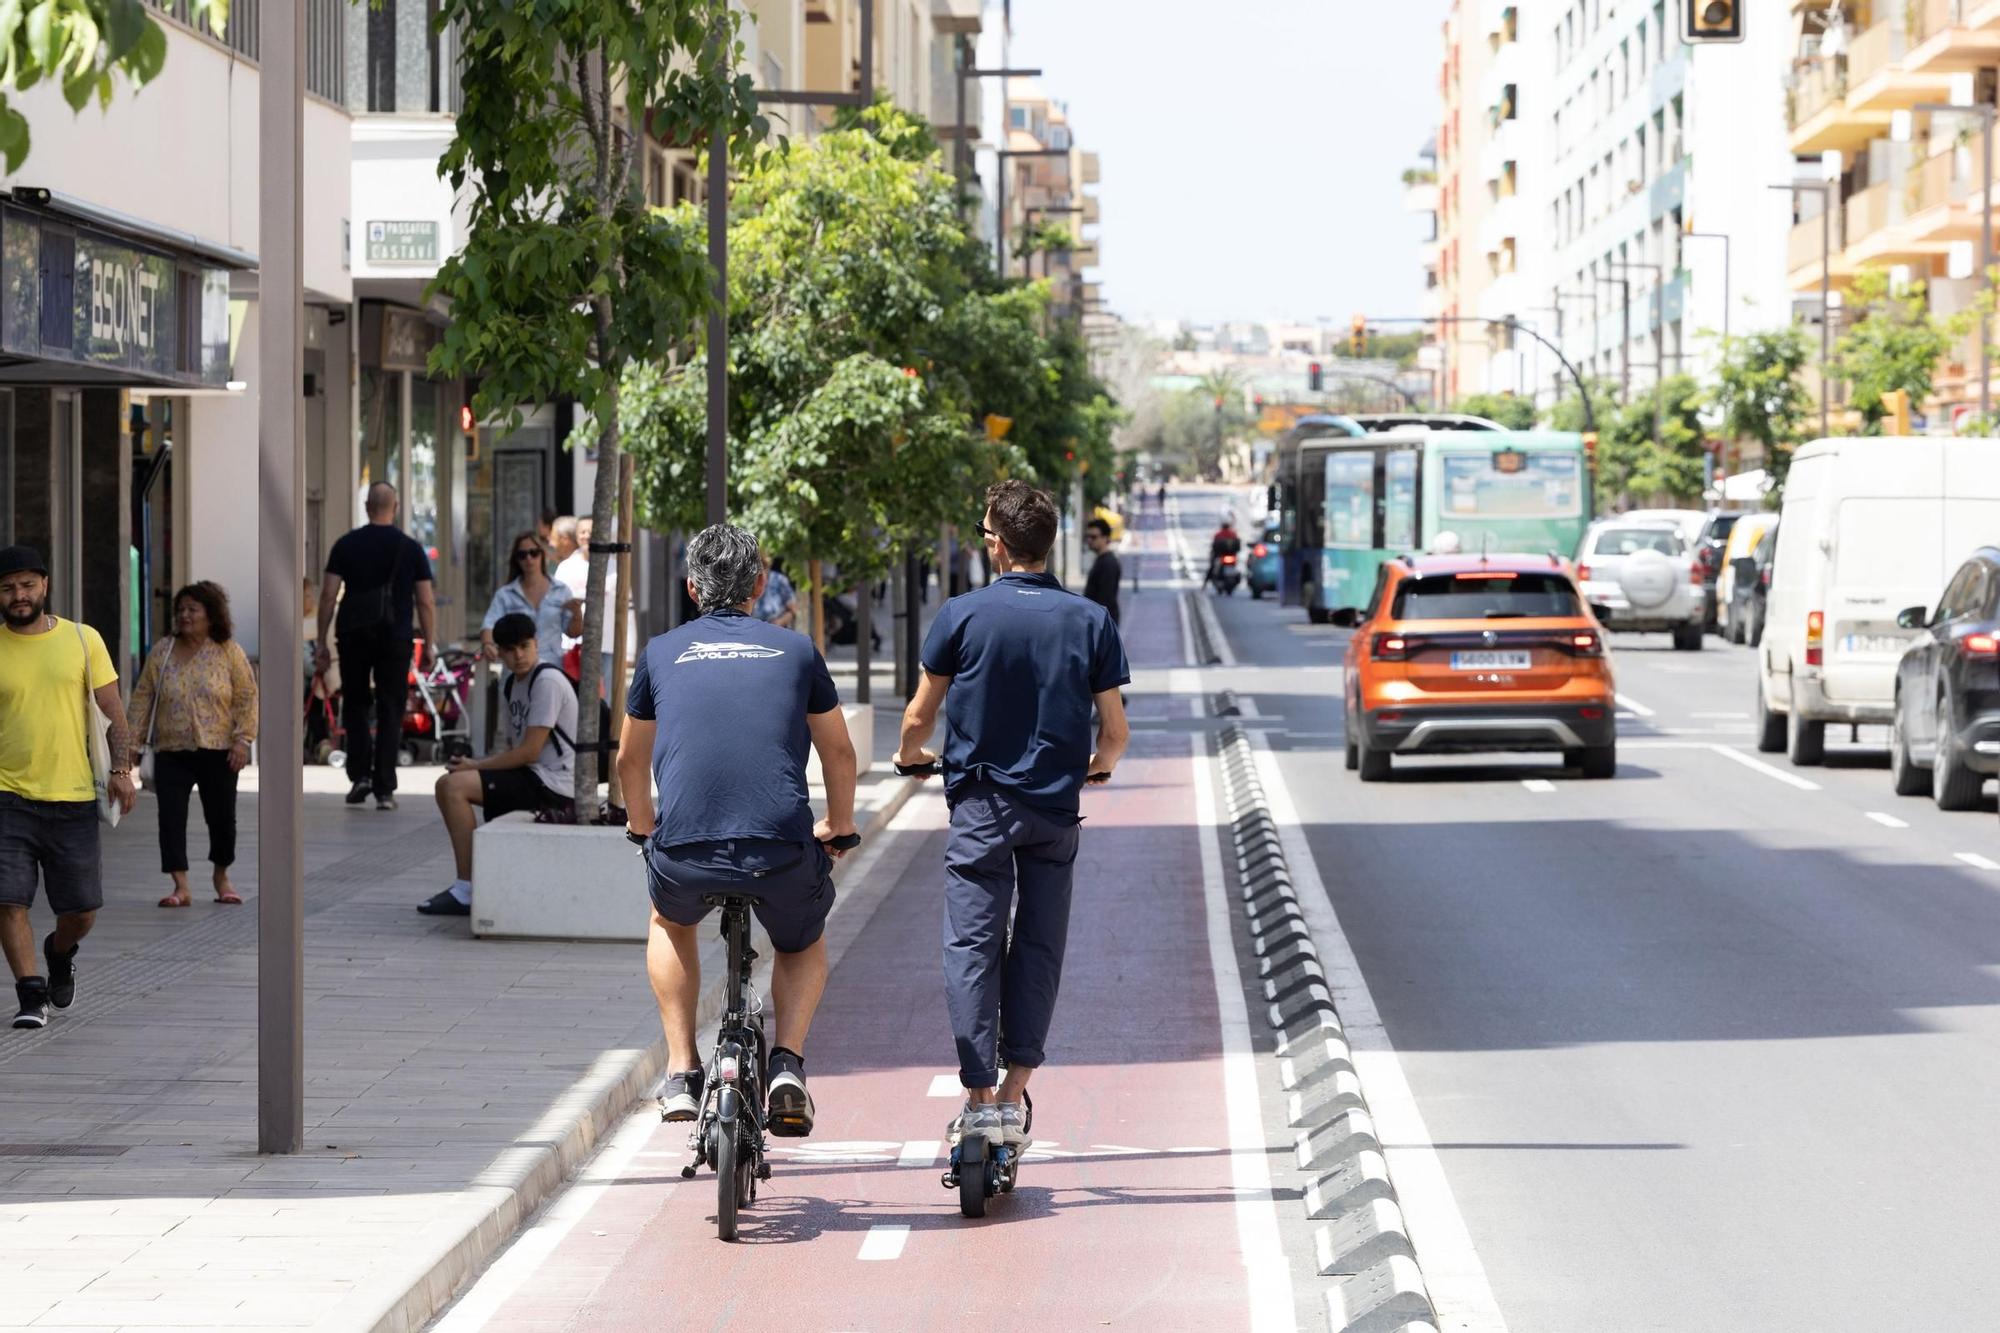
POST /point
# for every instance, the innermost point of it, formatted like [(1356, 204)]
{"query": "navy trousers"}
[(1001, 995)]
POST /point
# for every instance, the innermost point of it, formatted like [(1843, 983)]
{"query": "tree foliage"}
[(85, 46), (566, 276), (1759, 394), (1510, 410), (1652, 450), (1893, 342)]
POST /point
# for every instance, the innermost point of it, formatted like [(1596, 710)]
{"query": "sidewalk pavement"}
[(451, 1085)]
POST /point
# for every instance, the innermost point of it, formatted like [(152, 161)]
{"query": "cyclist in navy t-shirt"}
[(1017, 667), (723, 710)]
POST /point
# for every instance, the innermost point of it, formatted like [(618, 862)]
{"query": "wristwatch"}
[(121, 772)]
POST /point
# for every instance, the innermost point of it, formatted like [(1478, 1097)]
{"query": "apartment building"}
[(1048, 184), (1660, 224), (128, 253), (1903, 186)]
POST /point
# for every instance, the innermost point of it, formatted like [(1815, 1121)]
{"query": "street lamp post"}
[(1007, 155), (1583, 393), (1825, 191), (1986, 113)]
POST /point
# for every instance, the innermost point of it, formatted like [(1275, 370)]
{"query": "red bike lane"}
[(1125, 1213)]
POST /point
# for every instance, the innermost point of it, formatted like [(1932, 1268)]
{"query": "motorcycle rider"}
[(1224, 542)]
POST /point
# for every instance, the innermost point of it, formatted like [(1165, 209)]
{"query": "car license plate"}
[(1491, 661), (1872, 641)]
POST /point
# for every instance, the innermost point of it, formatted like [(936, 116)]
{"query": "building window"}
[(382, 57)]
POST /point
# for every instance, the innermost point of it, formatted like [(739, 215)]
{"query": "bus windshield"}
[(1474, 597)]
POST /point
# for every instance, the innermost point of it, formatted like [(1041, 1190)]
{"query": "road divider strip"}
[(1364, 1247)]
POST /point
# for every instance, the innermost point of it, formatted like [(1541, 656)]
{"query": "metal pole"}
[(1000, 206), (1986, 266), (281, 1070), (1825, 303), (718, 327), (958, 156), (1625, 345)]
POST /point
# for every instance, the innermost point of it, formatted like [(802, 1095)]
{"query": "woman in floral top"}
[(196, 706)]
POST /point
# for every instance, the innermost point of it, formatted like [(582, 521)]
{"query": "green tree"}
[(1759, 393), (1653, 451), (1510, 410), (567, 277), (1893, 341), (1567, 414), (86, 46)]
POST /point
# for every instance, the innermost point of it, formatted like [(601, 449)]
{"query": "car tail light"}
[(1764, 577), (1391, 648), (1815, 637), (1590, 713), (1228, 559), (1979, 645), (1583, 573), (1586, 645), (1259, 551)]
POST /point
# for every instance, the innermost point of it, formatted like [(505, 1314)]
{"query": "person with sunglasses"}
[(554, 606), (387, 578)]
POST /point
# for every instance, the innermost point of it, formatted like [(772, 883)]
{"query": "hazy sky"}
[(1252, 150)]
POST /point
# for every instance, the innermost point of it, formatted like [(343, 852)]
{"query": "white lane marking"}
[(1268, 1271), (1976, 861), (1626, 701), (945, 1085), (1768, 770), (522, 1260), (883, 1242), (1723, 717), (1452, 1271), (1886, 821), (918, 1152), (1541, 786)]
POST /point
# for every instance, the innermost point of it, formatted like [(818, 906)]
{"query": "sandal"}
[(175, 900), (231, 897)]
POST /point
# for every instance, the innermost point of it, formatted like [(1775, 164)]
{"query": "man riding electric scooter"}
[(1225, 542), (1017, 668)]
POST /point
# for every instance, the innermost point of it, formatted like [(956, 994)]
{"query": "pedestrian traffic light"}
[(1315, 377), (1714, 21), (1357, 337), (1590, 450)]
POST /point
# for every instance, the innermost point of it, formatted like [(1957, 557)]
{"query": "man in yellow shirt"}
[(48, 805)]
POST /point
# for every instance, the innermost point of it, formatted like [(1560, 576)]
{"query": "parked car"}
[(1640, 574), (1869, 526), (1463, 654), (1749, 587), (1261, 568), (1743, 541), (1709, 545), (1944, 735)]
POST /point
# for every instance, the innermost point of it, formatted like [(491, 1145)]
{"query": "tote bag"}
[(97, 743)]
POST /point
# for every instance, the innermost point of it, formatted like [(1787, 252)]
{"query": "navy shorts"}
[(793, 884), (60, 840)]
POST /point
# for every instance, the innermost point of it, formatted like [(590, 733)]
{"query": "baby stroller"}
[(325, 737), (437, 723)]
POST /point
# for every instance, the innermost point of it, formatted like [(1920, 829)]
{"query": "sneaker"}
[(680, 1096), (360, 792), (977, 1120), (62, 973), (34, 996), (1016, 1118), (791, 1113), (385, 802), (444, 903)]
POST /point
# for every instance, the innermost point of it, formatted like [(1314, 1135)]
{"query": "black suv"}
[(1708, 549), (1945, 736)]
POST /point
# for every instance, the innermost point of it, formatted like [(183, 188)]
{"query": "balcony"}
[(1669, 191), (1802, 253), (1501, 224), (1951, 35), (1090, 167), (1421, 197)]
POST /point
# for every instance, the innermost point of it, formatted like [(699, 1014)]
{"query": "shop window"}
[(420, 507)]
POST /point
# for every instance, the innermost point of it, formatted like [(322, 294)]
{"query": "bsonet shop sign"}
[(127, 291)]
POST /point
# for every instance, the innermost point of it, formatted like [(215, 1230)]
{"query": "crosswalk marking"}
[(884, 1242)]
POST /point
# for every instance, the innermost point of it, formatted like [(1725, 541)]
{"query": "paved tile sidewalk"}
[(451, 1084)]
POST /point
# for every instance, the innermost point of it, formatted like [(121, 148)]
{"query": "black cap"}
[(15, 559)]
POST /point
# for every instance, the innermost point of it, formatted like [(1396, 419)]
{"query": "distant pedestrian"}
[(1101, 584), (535, 769), (555, 608), (565, 539), (48, 805), (195, 707), (778, 604), (387, 577)]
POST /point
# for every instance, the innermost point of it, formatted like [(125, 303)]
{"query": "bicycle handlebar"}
[(929, 770), (846, 842)]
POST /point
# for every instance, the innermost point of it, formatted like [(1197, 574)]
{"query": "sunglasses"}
[(528, 552), (985, 531)]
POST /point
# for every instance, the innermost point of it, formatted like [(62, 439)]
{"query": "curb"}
[(1363, 1245), (546, 1156)]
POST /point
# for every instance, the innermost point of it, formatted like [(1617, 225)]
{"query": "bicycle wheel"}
[(727, 1181)]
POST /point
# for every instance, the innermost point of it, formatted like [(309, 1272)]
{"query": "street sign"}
[(402, 242)]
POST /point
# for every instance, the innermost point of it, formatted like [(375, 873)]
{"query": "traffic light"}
[(1357, 337), (1590, 451), (1315, 377), (1714, 21)]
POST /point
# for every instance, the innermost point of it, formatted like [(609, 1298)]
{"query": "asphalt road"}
[(1707, 1046)]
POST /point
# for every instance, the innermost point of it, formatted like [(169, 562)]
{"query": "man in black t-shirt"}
[(388, 581), (1101, 585), (719, 719)]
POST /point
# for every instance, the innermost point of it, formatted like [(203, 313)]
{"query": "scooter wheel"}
[(336, 759), (972, 1184), (1007, 1169)]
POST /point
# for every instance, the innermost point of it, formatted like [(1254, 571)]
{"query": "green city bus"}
[(1352, 491)]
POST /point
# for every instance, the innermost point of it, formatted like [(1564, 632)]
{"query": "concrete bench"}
[(556, 881)]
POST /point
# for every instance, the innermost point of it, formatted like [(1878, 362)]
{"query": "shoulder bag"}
[(97, 743), (153, 723)]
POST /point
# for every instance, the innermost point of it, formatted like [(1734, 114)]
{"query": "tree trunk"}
[(603, 518), (864, 633), (619, 645), (816, 604)]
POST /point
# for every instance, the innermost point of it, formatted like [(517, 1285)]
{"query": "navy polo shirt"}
[(1026, 656), (730, 694)]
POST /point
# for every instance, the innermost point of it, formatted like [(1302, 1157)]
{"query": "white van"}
[(1869, 526)]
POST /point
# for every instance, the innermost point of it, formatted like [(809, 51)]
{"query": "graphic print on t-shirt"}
[(725, 652)]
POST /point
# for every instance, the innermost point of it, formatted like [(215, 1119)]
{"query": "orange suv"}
[(1463, 654)]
